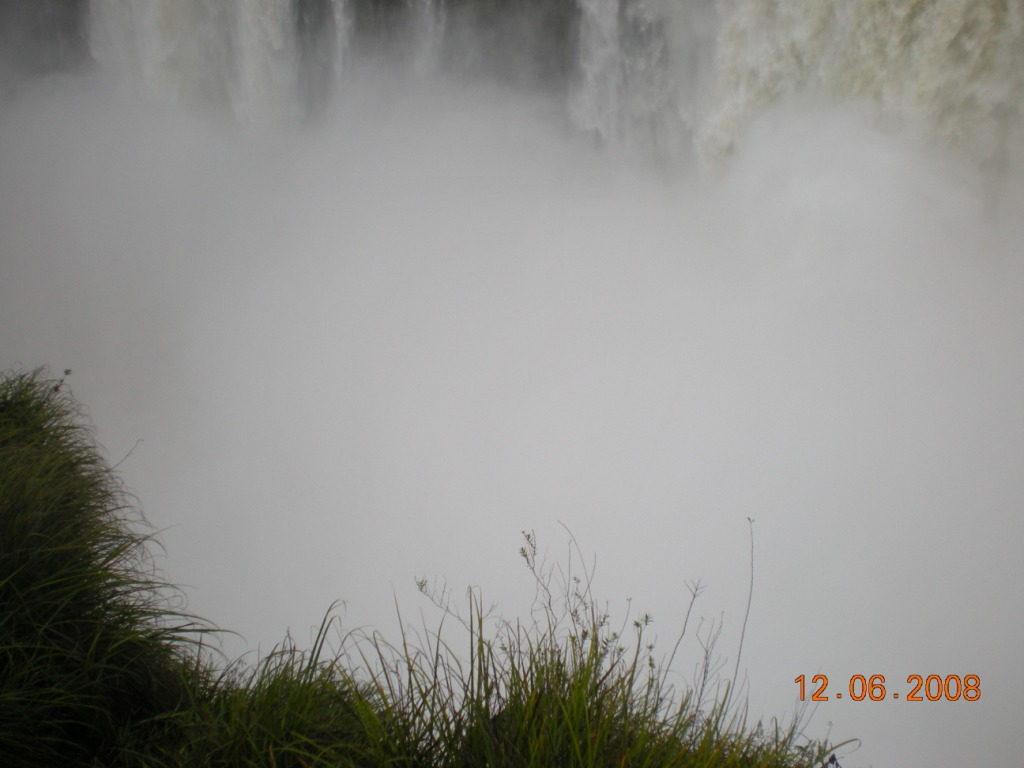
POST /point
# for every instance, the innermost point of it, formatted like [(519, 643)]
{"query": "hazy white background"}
[(377, 348)]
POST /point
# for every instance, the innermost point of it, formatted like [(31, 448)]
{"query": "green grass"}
[(99, 666)]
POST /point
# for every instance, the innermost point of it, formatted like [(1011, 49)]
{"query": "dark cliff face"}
[(43, 35), (530, 42)]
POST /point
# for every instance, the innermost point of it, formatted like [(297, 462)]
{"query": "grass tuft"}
[(99, 665), (89, 639)]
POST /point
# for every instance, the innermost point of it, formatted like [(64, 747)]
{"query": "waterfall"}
[(662, 75), (643, 69), (951, 70), (256, 58), (183, 51), (596, 106), (360, 286), (657, 77)]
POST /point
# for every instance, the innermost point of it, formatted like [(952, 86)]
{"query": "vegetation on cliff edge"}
[(101, 666)]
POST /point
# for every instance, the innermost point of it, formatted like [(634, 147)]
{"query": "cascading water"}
[(659, 77), (953, 70), (642, 76), (657, 74), (597, 104), (260, 59)]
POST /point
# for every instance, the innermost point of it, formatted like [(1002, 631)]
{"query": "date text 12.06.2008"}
[(920, 688)]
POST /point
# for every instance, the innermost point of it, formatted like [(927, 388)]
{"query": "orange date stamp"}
[(873, 688)]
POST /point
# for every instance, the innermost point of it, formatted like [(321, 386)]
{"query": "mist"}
[(333, 356)]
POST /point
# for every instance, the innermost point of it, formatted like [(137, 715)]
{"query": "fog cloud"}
[(336, 358)]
